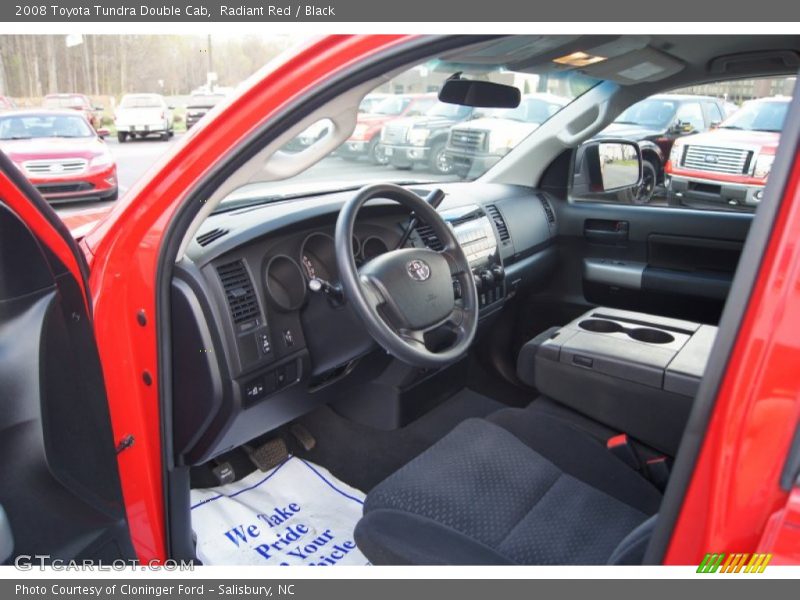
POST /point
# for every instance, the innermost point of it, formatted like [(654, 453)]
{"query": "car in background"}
[(60, 153), (482, 142), (655, 123), (79, 102), (366, 137), (423, 139), (7, 103), (728, 166), (199, 104), (370, 101), (142, 115)]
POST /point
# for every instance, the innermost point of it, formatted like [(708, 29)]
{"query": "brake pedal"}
[(224, 472), (303, 436), (268, 455)]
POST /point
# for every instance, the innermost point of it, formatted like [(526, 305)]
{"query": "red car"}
[(561, 416), (729, 165), (79, 102), (60, 153), (366, 137)]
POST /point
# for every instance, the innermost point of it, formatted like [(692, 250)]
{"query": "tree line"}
[(35, 65)]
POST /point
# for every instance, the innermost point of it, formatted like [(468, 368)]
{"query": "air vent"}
[(239, 291), (499, 222), (204, 239), (428, 237), (548, 210)]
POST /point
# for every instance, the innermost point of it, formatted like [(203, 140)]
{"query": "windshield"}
[(140, 102), (759, 116), (391, 105), (385, 147), (43, 126), (448, 111), (65, 102), (654, 113), (530, 110), (206, 100)]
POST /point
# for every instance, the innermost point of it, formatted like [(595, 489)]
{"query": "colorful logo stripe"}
[(734, 563)]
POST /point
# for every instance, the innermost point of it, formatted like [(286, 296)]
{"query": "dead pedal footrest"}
[(268, 455)]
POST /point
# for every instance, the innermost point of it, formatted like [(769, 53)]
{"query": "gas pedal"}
[(303, 436), (268, 455)]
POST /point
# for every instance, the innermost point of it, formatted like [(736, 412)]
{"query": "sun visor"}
[(640, 66)]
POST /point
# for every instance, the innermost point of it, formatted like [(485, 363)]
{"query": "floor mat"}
[(363, 456), (295, 514)]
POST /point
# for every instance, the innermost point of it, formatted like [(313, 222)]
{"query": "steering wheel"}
[(405, 295)]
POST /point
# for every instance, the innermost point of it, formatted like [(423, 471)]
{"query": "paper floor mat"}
[(295, 514)]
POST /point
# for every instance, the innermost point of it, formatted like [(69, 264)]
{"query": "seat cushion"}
[(518, 488)]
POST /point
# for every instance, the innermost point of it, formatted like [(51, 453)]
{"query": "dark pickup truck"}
[(423, 139)]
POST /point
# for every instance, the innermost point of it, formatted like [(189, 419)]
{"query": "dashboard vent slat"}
[(499, 222), (238, 291), (428, 237), (548, 210), (204, 239)]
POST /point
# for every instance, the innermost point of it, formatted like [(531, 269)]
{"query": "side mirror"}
[(714, 124), (607, 169), (103, 132), (170, 106), (98, 107)]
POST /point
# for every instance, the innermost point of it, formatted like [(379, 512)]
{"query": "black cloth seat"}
[(519, 487)]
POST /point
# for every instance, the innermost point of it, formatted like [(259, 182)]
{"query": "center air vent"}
[(204, 239), (238, 291), (428, 237), (548, 210), (499, 222)]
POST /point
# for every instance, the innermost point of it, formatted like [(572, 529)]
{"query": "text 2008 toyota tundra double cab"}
[(729, 165)]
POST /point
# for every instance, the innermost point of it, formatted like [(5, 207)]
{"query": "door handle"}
[(606, 231)]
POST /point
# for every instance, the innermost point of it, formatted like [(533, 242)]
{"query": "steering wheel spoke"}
[(372, 292)]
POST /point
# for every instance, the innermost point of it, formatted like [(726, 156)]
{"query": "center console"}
[(475, 233), (633, 371)]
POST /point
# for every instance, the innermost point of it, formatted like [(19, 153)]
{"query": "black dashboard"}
[(255, 346)]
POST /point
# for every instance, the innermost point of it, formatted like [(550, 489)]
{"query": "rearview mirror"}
[(607, 169), (482, 94)]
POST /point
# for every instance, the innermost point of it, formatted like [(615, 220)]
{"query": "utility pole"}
[(210, 68)]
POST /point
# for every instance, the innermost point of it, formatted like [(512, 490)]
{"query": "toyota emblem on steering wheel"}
[(418, 270)]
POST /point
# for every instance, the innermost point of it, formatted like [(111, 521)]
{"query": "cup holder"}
[(600, 326), (651, 336), (640, 334)]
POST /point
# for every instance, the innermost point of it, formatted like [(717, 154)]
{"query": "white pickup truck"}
[(140, 115)]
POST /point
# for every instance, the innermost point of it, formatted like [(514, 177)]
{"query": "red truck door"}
[(60, 494)]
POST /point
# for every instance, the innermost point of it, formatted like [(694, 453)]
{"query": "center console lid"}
[(632, 371)]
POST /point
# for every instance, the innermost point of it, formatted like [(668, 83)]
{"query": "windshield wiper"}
[(626, 122), (731, 127)]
